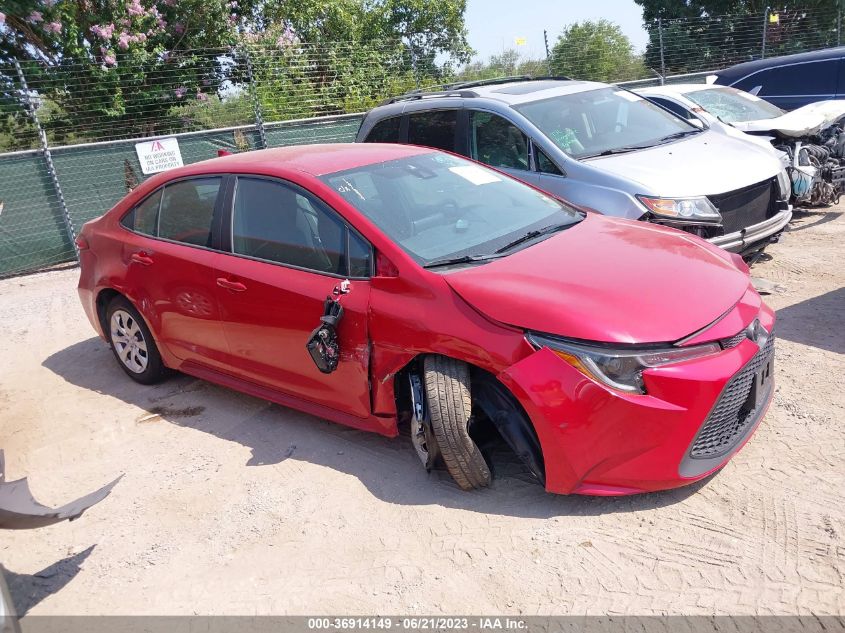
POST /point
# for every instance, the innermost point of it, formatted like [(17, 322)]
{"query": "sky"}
[(494, 24)]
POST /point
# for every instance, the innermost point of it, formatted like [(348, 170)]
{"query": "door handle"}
[(236, 286), (141, 258)]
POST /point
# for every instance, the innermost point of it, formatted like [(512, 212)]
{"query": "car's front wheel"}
[(447, 391), (132, 343)]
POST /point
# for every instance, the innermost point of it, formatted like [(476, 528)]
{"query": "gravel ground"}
[(231, 505)]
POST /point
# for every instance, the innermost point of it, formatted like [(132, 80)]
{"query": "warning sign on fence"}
[(160, 155)]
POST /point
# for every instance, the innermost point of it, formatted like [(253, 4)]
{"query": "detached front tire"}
[(132, 343), (447, 391)]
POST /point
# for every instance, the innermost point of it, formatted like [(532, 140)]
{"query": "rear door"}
[(288, 252), (434, 128), (170, 262)]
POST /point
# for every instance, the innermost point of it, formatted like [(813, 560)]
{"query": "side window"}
[(497, 142), (386, 131), (674, 108), (187, 208), (433, 129), (816, 78), (545, 164), (274, 221), (142, 219), (360, 256)]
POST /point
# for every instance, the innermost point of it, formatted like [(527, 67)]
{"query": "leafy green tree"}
[(708, 34), (130, 67), (597, 51)]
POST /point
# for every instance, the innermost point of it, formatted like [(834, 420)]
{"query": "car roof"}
[(526, 91), (316, 160), (504, 91), (735, 73), (676, 89)]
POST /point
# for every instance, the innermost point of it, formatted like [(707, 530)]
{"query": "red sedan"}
[(383, 285)]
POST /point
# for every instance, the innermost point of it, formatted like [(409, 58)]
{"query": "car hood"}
[(806, 121), (705, 164), (607, 279)]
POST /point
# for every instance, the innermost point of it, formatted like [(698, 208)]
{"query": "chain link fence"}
[(68, 130)]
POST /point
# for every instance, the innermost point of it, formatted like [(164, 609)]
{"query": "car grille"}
[(747, 206), (731, 418), (736, 339)]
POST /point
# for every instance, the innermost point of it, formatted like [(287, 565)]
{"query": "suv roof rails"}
[(505, 80), (460, 89)]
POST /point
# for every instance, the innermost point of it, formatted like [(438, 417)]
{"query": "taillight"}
[(81, 243), (385, 267)]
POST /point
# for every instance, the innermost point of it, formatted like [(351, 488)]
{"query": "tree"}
[(701, 35), (597, 51), (129, 67)]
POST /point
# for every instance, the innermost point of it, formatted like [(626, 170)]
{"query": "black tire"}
[(154, 370), (447, 391)]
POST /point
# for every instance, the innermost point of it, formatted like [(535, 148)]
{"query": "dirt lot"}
[(230, 505)]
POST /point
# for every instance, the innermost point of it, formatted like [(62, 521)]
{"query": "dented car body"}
[(604, 377)]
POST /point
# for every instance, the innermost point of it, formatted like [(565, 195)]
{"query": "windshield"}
[(438, 206), (732, 106), (596, 122)]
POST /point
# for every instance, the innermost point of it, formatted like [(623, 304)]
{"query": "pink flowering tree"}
[(118, 68)]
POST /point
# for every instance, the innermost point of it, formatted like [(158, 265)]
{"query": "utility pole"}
[(548, 57), (662, 56), (765, 30), (48, 159)]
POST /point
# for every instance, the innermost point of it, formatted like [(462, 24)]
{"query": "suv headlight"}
[(784, 184), (619, 368), (700, 208)]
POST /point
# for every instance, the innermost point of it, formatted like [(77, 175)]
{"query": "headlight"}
[(784, 184), (620, 369), (700, 208)]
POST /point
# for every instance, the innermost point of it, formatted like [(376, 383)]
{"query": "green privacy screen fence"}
[(93, 177)]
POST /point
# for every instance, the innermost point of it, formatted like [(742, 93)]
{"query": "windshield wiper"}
[(532, 235), (462, 259), (677, 135), (617, 150)]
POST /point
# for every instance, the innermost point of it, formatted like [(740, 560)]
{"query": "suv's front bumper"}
[(741, 240)]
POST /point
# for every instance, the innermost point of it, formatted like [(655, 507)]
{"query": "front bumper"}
[(599, 441), (741, 240)]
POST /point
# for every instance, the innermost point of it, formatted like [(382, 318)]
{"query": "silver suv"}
[(604, 148)]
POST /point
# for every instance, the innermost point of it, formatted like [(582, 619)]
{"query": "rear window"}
[(386, 131), (433, 129)]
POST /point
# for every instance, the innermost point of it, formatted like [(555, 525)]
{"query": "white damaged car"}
[(811, 138)]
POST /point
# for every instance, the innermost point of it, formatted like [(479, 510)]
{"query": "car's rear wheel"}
[(132, 343), (447, 390)]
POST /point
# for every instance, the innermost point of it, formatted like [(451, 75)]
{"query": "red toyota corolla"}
[(383, 285)]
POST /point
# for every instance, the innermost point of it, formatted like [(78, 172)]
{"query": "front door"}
[(497, 142), (289, 252)]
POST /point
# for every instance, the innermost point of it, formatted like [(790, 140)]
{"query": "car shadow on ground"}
[(816, 322), (27, 590), (808, 218), (389, 468)]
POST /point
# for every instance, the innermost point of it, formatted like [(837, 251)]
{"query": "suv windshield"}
[(439, 207), (732, 106), (604, 121)]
